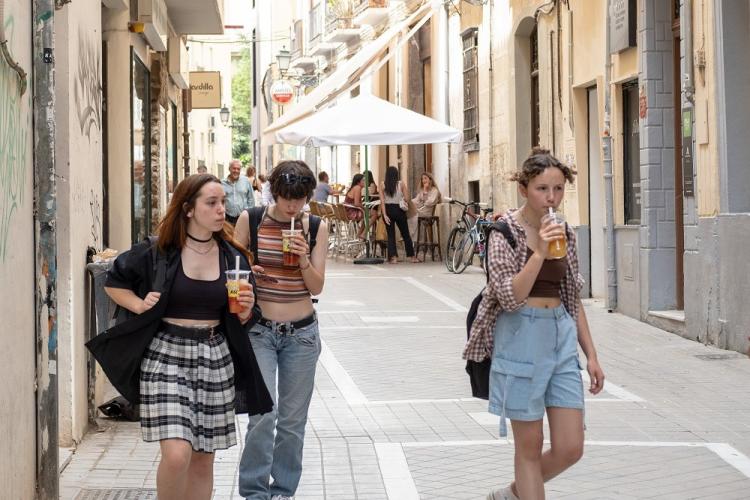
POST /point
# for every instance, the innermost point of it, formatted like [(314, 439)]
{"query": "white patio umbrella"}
[(366, 120)]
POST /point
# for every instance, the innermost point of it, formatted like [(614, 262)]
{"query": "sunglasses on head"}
[(296, 179)]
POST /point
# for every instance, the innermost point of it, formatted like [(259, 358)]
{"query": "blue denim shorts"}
[(534, 364)]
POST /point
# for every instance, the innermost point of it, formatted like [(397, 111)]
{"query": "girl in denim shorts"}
[(531, 322)]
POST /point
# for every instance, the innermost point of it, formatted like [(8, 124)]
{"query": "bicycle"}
[(465, 227)]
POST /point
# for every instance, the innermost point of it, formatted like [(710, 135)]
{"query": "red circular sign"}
[(282, 92)]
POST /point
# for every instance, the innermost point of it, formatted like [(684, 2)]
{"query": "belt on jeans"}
[(190, 332), (293, 325)]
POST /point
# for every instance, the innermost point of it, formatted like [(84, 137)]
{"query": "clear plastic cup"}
[(237, 281), (557, 248), (290, 259)]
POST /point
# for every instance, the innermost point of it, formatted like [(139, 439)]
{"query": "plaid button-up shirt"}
[(504, 263)]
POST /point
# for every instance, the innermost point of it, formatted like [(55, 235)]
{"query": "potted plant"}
[(342, 11)]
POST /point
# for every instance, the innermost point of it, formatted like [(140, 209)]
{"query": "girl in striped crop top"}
[(285, 339)]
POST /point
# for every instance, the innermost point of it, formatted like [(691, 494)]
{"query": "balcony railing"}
[(359, 6)]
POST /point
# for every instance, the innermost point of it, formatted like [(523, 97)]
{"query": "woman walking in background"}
[(182, 354), (531, 321), (393, 190)]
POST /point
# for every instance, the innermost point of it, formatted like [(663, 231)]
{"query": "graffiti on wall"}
[(15, 130), (96, 219), (86, 88)]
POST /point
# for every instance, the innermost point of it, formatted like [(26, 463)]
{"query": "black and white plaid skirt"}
[(187, 392)]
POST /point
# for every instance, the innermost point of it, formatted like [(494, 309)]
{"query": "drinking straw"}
[(237, 267), (291, 226), (552, 214)]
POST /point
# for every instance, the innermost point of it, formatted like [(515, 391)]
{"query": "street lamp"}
[(283, 58), (224, 115)]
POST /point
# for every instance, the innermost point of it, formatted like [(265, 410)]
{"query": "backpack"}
[(256, 215), (479, 371)]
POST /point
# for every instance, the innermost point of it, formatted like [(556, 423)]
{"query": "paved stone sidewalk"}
[(392, 417)]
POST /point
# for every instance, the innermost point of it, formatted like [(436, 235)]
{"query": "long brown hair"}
[(172, 229)]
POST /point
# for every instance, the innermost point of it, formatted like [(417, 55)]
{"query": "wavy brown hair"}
[(538, 161), (172, 229)]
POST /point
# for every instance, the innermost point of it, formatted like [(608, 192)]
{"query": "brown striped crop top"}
[(290, 287)]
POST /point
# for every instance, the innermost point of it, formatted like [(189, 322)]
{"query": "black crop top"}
[(550, 277), (197, 299)]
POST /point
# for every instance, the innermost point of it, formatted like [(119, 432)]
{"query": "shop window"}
[(140, 133), (631, 161), (471, 90)]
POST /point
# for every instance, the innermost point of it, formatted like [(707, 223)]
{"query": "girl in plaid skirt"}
[(185, 357)]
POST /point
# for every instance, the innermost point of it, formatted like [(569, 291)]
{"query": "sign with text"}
[(205, 89), (622, 25)]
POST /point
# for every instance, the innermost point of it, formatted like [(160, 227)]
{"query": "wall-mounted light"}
[(283, 58), (224, 115)]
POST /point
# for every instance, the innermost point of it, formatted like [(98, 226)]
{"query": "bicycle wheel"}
[(454, 238), (464, 253)]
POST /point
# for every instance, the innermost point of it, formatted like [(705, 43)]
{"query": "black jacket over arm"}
[(120, 349)]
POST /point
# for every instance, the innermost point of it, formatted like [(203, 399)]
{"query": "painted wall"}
[(78, 116), (17, 351)]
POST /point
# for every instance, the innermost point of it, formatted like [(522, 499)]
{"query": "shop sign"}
[(205, 89), (282, 91), (622, 25)]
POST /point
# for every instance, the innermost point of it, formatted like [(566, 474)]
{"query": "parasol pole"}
[(368, 259)]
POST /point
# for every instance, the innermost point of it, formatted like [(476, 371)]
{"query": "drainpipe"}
[(608, 177), (445, 14), (186, 132), (492, 113), (45, 272), (686, 27), (6, 53)]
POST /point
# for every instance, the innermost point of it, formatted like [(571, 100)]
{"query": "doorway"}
[(596, 199)]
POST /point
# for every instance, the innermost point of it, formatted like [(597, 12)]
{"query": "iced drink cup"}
[(557, 248), (236, 281), (290, 259)]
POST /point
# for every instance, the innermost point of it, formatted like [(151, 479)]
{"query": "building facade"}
[(120, 71), (642, 98)]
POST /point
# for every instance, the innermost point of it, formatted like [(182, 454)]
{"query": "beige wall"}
[(17, 352), (79, 198), (706, 156)]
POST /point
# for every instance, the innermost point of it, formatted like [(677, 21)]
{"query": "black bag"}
[(120, 407), (479, 371)]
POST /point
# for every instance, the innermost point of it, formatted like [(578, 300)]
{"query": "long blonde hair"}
[(432, 184)]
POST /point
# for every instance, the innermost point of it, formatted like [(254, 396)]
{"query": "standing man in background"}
[(239, 192)]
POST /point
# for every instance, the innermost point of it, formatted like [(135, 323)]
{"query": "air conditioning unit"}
[(153, 15)]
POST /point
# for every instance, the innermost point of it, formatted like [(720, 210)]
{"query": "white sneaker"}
[(502, 494), (281, 497)]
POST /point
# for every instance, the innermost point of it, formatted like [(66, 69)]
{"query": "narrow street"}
[(392, 417)]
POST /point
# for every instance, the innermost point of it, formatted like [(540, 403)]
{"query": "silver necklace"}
[(523, 216), (201, 252)]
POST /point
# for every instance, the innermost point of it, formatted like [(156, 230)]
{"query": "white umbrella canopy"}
[(366, 120)]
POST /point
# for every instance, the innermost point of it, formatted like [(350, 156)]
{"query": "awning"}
[(346, 74), (386, 124)]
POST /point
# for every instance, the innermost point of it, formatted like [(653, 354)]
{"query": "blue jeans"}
[(295, 354)]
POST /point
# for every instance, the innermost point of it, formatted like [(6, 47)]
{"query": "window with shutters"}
[(471, 90)]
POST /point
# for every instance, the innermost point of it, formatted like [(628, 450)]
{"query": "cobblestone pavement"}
[(392, 417)]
